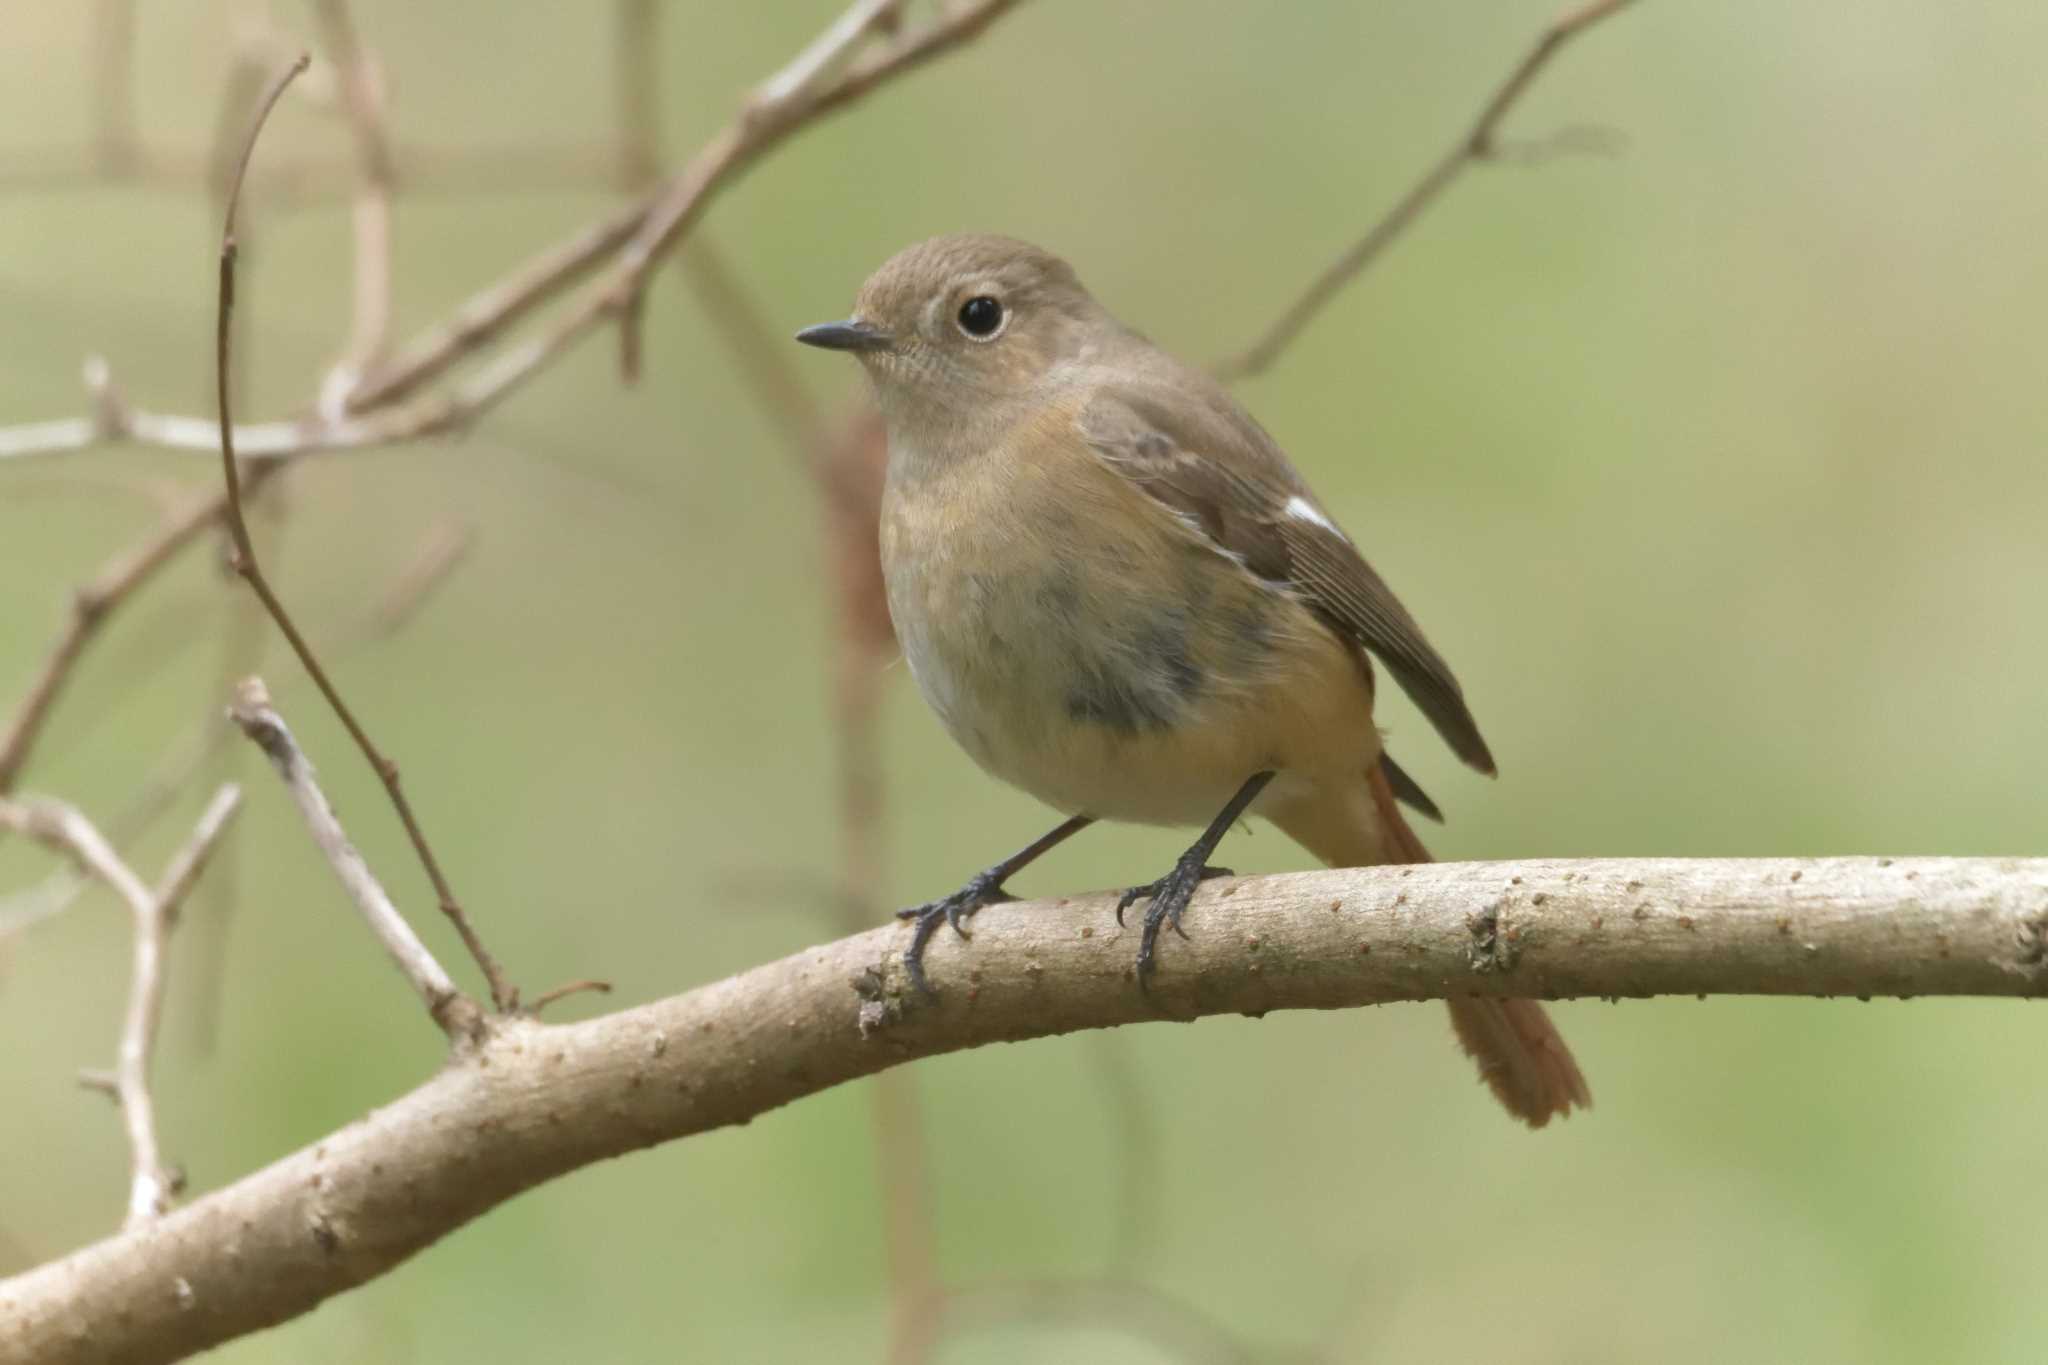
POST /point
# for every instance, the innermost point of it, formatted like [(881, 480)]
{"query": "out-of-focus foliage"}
[(1714, 466)]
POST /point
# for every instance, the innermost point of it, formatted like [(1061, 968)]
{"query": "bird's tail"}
[(1520, 1055)]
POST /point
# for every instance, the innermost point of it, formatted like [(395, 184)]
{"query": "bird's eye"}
[(981, 317)]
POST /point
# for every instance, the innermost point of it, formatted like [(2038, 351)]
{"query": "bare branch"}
[(635, 241), (1477, 144), (455, 1012), (243, 560), (536, 1100), (151, 1183)]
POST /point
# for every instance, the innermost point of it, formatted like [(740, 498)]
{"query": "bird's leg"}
[(1170, 894), (983, 888)]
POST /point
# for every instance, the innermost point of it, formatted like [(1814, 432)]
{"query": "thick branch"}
[(535, 1101)]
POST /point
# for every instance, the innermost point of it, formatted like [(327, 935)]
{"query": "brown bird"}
[(1120, 596)]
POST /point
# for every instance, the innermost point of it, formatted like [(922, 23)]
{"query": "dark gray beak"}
[(851, 335)]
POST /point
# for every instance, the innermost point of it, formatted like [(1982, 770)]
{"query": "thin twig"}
[(562, 992), (151, 1183), (1477, 144), (243, 561), (251, 58), (185, 866), (362, 102), (92, 604), (455, 1012)]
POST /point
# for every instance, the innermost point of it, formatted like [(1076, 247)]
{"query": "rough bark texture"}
[(534, 1100)]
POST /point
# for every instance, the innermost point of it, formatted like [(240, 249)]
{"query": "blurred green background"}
[(1714, 466)]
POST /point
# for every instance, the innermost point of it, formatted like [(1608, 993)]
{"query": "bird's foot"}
[(983, 888), (1169, 896)]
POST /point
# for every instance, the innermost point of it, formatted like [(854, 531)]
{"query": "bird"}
[(1119, 595)]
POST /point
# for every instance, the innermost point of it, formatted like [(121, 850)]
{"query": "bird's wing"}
[(1202, 457)]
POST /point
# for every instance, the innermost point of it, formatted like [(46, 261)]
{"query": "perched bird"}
[(1120, 596)]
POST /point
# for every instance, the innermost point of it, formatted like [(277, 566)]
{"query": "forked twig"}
[(151, 1182)]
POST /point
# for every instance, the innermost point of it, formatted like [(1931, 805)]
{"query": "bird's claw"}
[(1169, 896), (981, 889)]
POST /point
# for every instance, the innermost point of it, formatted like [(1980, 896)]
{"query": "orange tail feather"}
[(1521, 1056)]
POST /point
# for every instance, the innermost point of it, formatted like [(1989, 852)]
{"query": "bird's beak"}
[(850, 335)]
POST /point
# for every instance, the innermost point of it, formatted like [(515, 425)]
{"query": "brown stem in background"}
[(244, 562), (1477, 144), (362, 101), (845, 467)]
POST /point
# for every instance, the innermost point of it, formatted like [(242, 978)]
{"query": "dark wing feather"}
[(1195, 450), (1406, 790)]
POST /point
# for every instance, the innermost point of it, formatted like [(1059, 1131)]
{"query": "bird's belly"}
[(1099, 701)]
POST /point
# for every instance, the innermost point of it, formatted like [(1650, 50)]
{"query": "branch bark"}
[(535, 1101)]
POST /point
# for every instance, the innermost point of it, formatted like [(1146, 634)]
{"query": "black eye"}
[(981, 316)]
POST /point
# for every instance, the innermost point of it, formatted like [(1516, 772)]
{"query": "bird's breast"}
[(1088, 652)]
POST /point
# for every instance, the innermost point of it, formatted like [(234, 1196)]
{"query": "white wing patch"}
[(1302, 509)]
